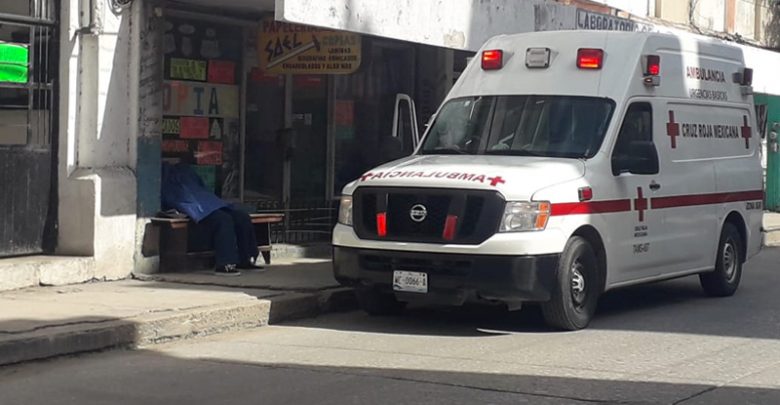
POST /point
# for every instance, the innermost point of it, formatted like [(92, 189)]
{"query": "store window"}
[(364, 106), (201, 101)]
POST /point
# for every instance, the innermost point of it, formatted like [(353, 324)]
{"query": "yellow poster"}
[(290, 48)]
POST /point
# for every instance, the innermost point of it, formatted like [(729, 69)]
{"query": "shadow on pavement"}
[(150, 378)]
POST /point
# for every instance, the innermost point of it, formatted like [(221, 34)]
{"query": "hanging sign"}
[(291, 48), (200, 99)]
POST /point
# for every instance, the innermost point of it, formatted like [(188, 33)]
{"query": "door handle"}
[(654, 186)]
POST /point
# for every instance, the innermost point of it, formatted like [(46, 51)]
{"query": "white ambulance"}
[(562, 165)]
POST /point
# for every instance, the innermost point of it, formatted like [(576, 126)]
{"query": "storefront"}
[(28, 71), (280, 117)]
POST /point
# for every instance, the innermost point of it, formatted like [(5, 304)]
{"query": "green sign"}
[(188, 69), (13, 63)]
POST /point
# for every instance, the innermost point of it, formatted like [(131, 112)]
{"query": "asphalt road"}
[(663, 343)]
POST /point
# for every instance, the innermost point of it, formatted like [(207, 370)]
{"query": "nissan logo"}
[(418, 213)]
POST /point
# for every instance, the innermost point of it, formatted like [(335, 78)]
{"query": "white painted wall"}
[(642, 8), (466, 24), (710, 15), (97, 191), (459, 24)]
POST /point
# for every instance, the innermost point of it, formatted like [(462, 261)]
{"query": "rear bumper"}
[(452, 278)]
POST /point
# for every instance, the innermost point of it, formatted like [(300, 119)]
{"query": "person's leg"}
[(221, 227), (245, 237)]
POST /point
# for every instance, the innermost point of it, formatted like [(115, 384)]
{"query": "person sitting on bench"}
[(230, 228)]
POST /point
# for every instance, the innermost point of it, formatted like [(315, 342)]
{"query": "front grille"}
[(478, 213), (387, 264)]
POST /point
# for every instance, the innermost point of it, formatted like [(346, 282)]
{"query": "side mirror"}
[(643, 158)]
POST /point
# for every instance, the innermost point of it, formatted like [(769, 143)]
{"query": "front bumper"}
[(452, 278)]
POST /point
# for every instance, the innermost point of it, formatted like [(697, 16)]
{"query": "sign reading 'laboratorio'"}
[(588, 20), (290, 48)]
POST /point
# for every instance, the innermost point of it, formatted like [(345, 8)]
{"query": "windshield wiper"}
[(510, 152), (445, 151)]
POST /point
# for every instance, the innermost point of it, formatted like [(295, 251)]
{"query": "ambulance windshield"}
[(550, 126)]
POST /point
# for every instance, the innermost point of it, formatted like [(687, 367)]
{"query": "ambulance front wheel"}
[(378, 303), (723, 282), (576, 292)]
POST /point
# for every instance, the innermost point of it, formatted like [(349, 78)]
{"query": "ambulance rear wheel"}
[(378, 303), (573, 300), (723, 282)]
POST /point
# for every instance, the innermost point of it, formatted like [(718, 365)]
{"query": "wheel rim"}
[(728, 258), (578, 287)]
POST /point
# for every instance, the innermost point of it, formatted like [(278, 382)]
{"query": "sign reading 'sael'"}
[(562, 165)]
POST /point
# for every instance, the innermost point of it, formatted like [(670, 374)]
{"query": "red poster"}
[(194, 128), (175, 146), (344, 113), (209, 153), (222, 71)]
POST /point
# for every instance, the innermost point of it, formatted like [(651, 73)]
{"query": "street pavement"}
[(663, 343)]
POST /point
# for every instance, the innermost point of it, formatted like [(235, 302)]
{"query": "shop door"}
[(310, 123), (28, 64), (773, 153)]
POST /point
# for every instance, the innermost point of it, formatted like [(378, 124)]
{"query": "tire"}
[(378, 303), (724, 280), (576, 293)]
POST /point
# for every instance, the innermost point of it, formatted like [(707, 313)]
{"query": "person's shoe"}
[(227, 270), (250, 266)]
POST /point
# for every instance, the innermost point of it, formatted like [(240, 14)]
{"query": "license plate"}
[(410, 281)]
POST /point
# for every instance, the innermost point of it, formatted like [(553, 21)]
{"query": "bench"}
[(176, 252)]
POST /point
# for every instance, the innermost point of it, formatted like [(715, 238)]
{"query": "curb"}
[(771, 237), (133, 332), (170, 326), (301, 305)]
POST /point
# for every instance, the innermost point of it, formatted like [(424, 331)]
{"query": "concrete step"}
[(44, 322), (772, 237), (39, 323)]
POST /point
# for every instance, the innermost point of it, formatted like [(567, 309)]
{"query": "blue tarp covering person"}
[(230, 228)]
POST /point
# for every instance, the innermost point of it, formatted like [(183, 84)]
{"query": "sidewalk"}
[(43, 322)]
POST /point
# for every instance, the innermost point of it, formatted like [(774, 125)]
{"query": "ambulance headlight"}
[(345, 210), (522, 216)]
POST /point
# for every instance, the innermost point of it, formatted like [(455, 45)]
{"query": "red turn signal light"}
[(492, 59), (589, 58)]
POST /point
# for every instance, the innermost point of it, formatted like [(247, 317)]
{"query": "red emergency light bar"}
[(492, 59), (381, 224), (590, 58)]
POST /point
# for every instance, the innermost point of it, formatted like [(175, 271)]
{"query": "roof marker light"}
[(653, 67), (590, 58), (492, 59)]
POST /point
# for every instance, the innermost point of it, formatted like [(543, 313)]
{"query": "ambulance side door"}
[(636, 234)]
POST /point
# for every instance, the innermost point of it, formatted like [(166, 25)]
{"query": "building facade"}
[(280, 103)]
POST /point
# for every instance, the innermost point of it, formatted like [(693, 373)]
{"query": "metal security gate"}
[(28, 69)]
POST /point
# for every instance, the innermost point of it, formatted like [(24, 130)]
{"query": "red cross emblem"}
[(673, 129), (640, 204), (747, 132), (494, 181)]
